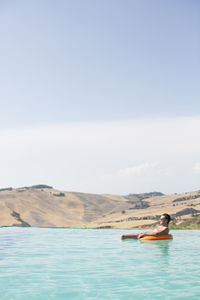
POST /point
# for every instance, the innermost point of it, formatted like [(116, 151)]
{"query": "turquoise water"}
[(41, 263)]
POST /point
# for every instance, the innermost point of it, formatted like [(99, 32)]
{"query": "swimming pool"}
[(45, 263)]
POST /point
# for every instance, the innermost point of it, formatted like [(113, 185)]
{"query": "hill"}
[(44, 206)]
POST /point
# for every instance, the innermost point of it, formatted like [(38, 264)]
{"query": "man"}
[(162, 229)]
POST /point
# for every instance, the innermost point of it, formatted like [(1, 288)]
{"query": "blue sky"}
[(74, 65)]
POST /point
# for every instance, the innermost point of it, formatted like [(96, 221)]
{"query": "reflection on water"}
[(164, 250), (149, 254), (162, 246)]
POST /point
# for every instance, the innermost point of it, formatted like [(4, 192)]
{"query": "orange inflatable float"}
[(157, 238)]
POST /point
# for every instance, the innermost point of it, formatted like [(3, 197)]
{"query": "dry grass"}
[(52, 208)]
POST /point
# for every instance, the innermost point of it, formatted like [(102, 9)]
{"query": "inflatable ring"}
[(157, 238)]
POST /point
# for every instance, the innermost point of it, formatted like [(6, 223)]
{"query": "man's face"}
[(163, 221)]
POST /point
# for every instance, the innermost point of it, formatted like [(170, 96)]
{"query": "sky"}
[(100, 96)]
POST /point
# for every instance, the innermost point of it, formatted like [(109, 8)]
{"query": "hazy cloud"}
[(137, 169), (77, 156), (197, 168)]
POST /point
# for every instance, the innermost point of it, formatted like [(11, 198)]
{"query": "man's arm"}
[(155, 232)]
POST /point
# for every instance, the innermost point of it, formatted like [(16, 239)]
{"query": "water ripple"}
[(42, 263)]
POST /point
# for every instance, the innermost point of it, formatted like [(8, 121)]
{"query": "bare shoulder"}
[(163, 229)]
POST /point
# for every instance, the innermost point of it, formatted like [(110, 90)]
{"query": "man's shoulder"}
[(165, 229)]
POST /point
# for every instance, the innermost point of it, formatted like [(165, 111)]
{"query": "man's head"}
[(165, 219)]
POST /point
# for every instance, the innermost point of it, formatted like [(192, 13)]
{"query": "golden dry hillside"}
[(43, 206)]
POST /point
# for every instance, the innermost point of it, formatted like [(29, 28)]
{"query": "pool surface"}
[(45, 263)]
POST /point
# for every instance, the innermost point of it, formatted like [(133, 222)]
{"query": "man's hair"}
[(167, 217)]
